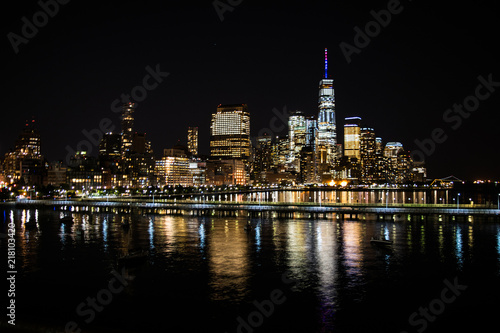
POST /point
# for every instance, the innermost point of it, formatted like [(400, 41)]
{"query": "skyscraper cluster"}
[(309, 153)]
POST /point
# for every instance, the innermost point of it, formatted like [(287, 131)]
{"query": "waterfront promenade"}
[(272, 209)]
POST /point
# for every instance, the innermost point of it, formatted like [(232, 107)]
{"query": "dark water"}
[(211, 275)]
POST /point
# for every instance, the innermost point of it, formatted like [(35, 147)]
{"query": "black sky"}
[(266, 54)]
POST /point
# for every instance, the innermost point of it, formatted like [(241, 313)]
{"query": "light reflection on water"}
[(459, 247), (306, 243), (229, 266), (329, 257)]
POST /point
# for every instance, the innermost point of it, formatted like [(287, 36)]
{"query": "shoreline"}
[(270, 209)]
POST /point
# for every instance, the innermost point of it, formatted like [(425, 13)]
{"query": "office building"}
[(230, 133), (296, 138), (311, 129), (25, 162), (262, 161), (110, 146), (127, 128), (352, 130), (173, 168), (368, 156), (192, 141), (226, 172)]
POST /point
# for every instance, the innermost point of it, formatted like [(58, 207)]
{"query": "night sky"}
[(266, 54)]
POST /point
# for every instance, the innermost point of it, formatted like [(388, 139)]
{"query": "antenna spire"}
[(326, 63)]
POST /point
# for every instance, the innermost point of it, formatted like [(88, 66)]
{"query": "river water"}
[(210, 274)]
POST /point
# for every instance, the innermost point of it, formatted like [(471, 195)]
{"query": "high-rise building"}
[(311, 129), (192, 141), (308, 171), (404, 167), (296, 137), (368, 157), (25, 161), (174, 168), (230, 132), (28, 144), (262, 161), (379, 146), (140, 145), (326, 138), (352, 132), (110, 146), (83, 172), (127, 128), (56, 174), (391, 151), (282, 145)]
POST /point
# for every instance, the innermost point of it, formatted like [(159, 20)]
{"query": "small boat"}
[(66, 219), (381, 242)]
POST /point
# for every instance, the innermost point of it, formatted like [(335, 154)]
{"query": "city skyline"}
[(389, 83), (260, 166), (228, 124)]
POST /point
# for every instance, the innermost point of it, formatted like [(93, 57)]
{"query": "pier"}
[(277, 210)]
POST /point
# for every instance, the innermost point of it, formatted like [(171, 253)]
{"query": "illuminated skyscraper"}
[(326, 139), (368, 149), (262, 160), (392, 149), (311, 129), (192, 140), (173, 168), (28, 143), (230, 132), (391, 152), (379, 146), (352, 132), (297, 137), (127, 127), (26, 161)]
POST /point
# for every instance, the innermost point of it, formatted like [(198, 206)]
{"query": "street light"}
[(458, 200)]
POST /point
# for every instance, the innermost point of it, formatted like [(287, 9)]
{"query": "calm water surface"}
[(206, 274)]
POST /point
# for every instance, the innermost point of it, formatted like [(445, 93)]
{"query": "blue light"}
[(201, 232), (326, 63), (151, 233)]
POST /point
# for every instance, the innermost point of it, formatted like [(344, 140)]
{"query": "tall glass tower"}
[(326, 140)]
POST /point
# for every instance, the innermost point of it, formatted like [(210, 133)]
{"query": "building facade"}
[(352, 131), (127, 123), (326, 138), (192, 141), (230, 133)]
